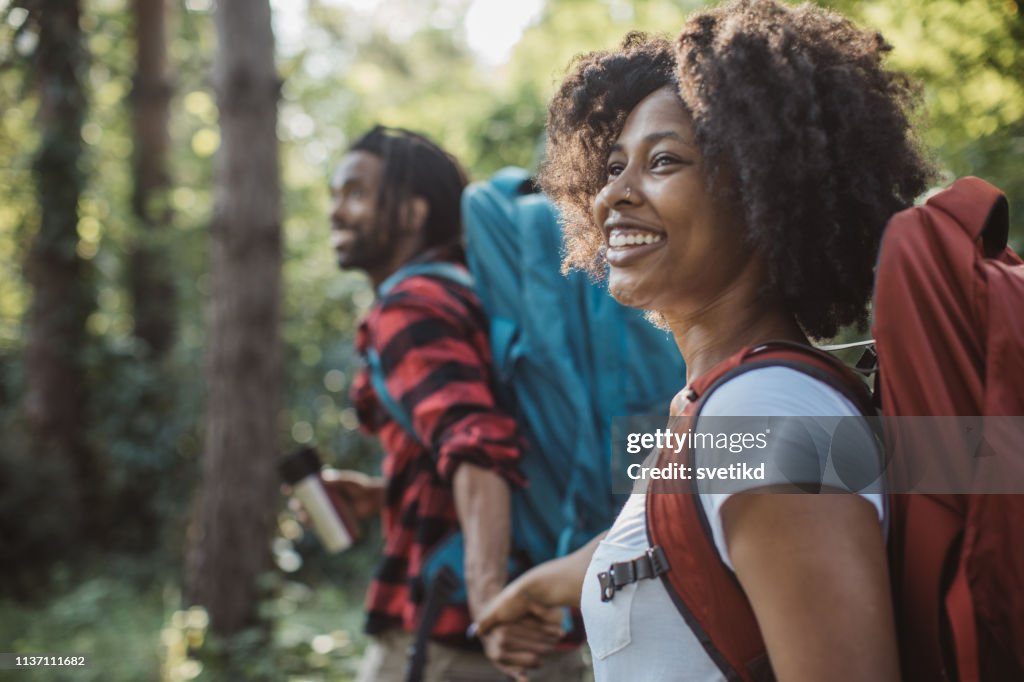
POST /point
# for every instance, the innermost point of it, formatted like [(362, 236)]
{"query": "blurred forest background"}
[(168, 329)]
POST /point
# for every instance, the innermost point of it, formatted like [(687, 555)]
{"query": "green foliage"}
[(970, 57), (142, 419), (35, 531), (310, 635), (122, 613), (145, 429), (112, 617)]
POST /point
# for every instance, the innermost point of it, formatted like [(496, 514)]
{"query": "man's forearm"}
[(482, 505)]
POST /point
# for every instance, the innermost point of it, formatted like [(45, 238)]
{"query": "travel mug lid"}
[(298, 465)]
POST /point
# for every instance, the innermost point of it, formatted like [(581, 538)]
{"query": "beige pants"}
[(386, 657)]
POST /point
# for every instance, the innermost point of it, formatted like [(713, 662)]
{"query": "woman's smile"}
[(628, 243)]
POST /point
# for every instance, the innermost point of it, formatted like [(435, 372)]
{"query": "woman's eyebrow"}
[(667, 135), (654, 138)]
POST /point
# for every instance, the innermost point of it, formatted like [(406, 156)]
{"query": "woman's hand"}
[(540, 592), (517, 646), (517, 602), (533, 601), (516, 630)]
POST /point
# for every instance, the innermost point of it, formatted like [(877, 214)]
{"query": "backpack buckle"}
[(659, 560), (648, 565), (607, 583)]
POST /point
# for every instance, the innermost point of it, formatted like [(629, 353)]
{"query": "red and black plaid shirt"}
[(431, 337)]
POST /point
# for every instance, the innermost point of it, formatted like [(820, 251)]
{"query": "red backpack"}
[(949, 330)]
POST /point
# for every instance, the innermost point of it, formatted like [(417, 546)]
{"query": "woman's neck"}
[(741, 316)]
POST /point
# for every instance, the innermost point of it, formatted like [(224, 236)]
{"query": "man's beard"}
[(368, 251)]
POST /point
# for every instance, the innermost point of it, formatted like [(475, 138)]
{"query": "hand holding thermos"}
[(333, 500)]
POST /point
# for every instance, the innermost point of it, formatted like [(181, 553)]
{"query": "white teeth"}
[(632, 239)]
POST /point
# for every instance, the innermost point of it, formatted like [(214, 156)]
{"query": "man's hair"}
[(795, 114), (413, 166)]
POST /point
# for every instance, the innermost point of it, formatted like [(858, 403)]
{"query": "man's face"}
[(356, 238)]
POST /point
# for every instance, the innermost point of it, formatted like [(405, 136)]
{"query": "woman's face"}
[(671, 245)]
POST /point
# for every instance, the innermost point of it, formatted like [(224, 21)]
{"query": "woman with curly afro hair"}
[(736, 184)]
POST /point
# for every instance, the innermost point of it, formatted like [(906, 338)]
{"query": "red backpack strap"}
[(705, 592), (813, 362)]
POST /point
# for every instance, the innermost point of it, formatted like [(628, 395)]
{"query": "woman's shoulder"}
[(776, 391)]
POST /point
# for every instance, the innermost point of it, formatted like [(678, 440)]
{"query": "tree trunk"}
[(54, 400), (238, 496), (149, 269)]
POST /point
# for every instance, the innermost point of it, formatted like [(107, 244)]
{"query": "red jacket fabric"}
[(431, 337)]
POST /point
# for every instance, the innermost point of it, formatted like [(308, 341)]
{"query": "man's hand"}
[(517, 604), (517, 633), (535, 598), (364, 494), (513, 647)]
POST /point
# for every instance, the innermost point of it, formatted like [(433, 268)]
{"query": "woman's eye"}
[(614, 169), (662, 160)]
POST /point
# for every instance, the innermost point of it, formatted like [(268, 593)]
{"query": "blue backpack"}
[(567, 359)]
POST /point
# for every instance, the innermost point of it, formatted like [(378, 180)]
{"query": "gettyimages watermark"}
[(903, 455), (674, 442)]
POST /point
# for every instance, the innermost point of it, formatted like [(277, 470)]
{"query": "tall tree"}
[(54, 399), (237, 497), (150, 275)]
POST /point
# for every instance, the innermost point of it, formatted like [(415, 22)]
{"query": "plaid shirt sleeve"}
[(431, 338)]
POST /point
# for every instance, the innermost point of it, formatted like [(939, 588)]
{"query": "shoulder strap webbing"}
[(452, 272), (703, 589)]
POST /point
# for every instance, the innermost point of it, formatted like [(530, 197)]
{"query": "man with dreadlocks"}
[(396, 205)]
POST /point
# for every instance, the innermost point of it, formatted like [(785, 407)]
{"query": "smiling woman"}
[(736, 186), (669, 241)]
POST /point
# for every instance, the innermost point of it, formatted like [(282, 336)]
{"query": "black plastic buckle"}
[(659, 562), (607, 584), (649, 565)]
